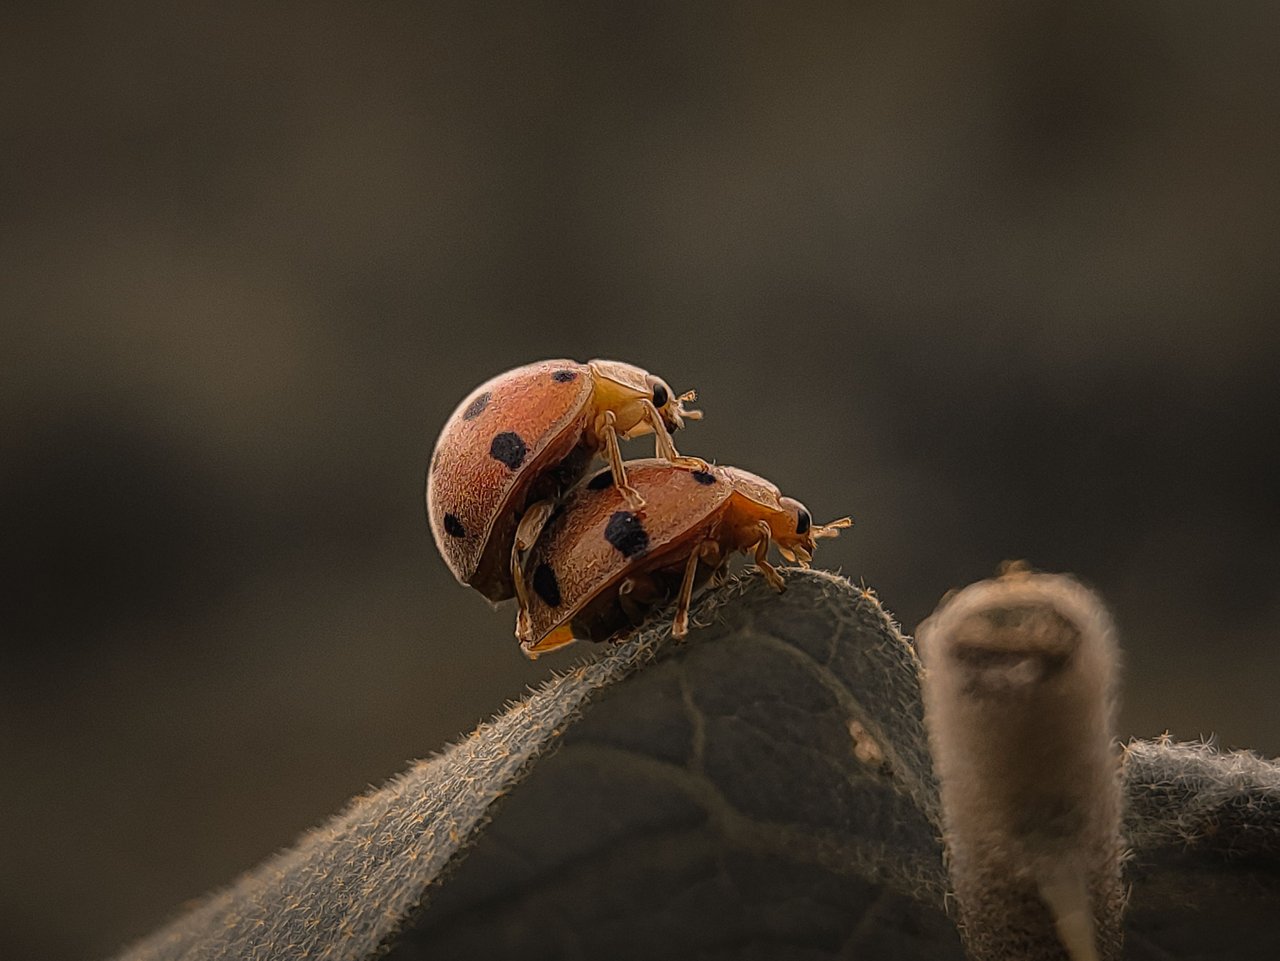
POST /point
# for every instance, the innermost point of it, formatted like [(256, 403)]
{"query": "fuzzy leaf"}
[(762, 791)]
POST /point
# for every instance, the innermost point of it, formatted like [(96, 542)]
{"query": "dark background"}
[(999, 282)]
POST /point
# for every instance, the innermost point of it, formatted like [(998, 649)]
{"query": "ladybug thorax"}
[(622, 389), (629, 376), (754, 500)]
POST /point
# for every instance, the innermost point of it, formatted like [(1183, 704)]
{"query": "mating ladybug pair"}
[(586, 561)]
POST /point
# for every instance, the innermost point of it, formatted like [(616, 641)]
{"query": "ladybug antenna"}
[(688, 395), (831, 528)]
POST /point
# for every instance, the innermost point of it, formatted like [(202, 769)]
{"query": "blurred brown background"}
[(1000, 283)]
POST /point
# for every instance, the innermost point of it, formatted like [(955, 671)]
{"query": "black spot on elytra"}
[(703, 476), (602, 480), (564, 376), (476, 406), (546, 586), (454, 526), (626, 532), (803, 520), (509, 448)]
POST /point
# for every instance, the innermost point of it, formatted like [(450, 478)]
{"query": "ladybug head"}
[(633, 381), (670, 407), (796, 534)]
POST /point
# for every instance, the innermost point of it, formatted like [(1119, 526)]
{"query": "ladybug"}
[(523, 438), (599, 566)]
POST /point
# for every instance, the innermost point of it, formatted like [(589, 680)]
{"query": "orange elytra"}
[(599, 567), (521, 439)]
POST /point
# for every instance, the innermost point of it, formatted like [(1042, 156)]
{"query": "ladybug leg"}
[(609, 434), (762, 559), (664, 446), (524, 627), (636, 596), (708, 552), (680, 625), (531, 524)]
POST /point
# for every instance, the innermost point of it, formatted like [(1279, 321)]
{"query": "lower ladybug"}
[(520, 440), (599, 566)]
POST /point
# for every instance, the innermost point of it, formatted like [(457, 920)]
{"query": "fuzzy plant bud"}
[(1019, 690)]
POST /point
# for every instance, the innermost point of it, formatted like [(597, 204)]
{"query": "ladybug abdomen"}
[(590, 546), (604, 616), (515, 438)]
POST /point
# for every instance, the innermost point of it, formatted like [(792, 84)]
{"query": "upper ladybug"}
[(523, 438)]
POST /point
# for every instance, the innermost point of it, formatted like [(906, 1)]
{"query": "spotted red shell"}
[(589, 546), (513, 439)]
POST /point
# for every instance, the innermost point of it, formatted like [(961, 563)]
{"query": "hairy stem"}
[(1019, 693)]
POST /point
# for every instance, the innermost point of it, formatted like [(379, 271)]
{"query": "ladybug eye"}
[(803, 521), (660, 396)]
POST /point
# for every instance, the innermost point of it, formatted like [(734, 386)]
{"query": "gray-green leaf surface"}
[(763, 790)]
